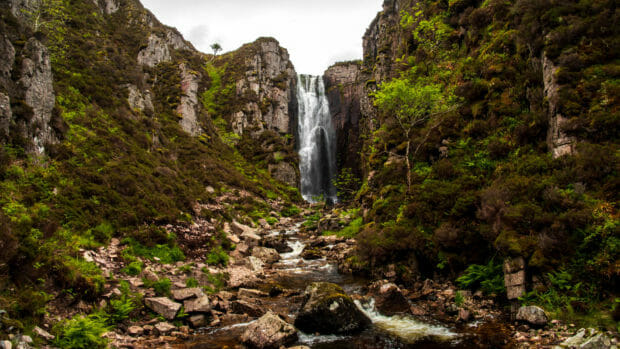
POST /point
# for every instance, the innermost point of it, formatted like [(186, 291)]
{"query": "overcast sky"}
[(317, 33)]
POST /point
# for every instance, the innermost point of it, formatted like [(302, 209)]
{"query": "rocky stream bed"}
[(288, 287)]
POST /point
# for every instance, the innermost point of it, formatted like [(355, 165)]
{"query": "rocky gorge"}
[(462, 182)]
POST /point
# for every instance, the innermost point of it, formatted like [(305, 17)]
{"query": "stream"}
[(295, 273)]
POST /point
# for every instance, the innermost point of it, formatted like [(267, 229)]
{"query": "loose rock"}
[(533, 315), (163, 306)]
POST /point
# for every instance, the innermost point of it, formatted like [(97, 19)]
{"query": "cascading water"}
[(317, 140)]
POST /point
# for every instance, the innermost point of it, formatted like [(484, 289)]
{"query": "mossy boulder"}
[(327, 309)]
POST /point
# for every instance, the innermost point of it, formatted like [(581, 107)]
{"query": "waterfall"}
[(317, 140)]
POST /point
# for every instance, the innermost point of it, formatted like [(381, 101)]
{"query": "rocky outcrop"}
[(327, 309), (159, 47), (269, 332), (268, 86), (26, 93), (188, 108), (344, 87), (558, 141), (139, 100)]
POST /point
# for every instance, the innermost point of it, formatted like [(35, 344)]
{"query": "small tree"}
[(216, 48), (412, 105)]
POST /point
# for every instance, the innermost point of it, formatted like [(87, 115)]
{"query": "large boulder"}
[(327, 309), (241, 277), (389, 298), (269, 332), (265, 254), (198, 305), (532, 315), (279, 243), (163, 306)]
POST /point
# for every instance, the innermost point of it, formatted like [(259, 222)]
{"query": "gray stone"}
[(598, 341), (533, 315), (269, 332), (6, 345), (255, 264), (157, 51), (187, 293), (558, 141), (265, 254), (163, 306), (198, 305), (6, 115), (139, 100)]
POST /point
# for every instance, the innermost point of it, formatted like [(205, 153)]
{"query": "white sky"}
[(317, 33)]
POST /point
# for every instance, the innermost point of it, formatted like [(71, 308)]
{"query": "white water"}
[(317, 140), (403, 326)]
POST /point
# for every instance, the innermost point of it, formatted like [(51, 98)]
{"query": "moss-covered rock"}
[(327, 309)]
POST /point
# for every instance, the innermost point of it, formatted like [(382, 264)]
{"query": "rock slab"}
[(163, 306)]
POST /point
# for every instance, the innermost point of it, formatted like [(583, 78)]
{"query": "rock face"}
[(532, 315), (189, 102), (327, 309), (558, 141), (159, 46), (271, 79), (344, 89), (269, 332), (26, 81), (265, 106)]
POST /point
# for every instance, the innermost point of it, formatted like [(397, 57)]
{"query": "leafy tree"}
[(216, 48), (413, 104)]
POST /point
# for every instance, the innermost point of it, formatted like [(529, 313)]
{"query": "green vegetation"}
[(475, 179), (162, 253), (290, 211), (217, 256), (161, 287), (350, 231), (459, 299), (82, 332), (489, 278)]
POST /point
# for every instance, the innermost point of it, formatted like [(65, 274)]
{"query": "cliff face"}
[(262, 106), (345, 88)]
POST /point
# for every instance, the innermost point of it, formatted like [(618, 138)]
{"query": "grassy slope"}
[(117, 172)]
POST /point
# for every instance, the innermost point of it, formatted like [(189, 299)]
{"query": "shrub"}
[(165, 253), (489, 278), (217, 256), (191, 282)]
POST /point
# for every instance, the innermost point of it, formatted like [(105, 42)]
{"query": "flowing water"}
[(295, 273), (317, 140)]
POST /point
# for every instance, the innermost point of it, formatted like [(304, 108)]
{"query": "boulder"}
[(198, 320), (311, 253), (251, 293), (389, 299), (269, 332), (6, 345), (327, 309), (187, 293), (265, 254), (279, 243), (244, 307), (163, 306), (533, 315), (198, 305)]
